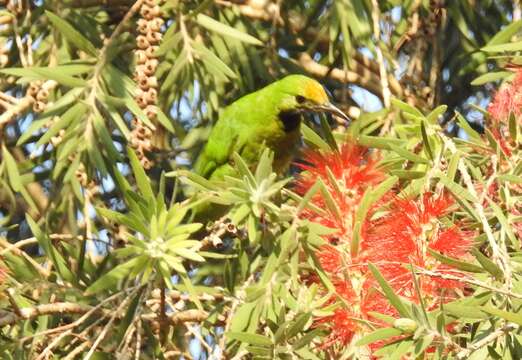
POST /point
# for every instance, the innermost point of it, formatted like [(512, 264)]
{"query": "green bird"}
[(270, 117)]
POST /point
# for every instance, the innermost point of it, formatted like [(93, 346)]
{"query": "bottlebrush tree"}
[(396, 237)]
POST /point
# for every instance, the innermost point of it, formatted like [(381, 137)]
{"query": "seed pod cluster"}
[(39, 92), (90, 186), (149, 28)]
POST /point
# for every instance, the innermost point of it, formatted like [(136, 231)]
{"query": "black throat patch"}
[(290, 119)]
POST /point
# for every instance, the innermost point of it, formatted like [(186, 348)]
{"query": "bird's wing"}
[(241, 128), (219, 147)]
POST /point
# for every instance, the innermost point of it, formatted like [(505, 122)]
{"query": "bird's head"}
[(301, 93)]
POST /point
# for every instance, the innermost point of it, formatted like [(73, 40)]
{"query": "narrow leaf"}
[(225, 30), (71, 34)]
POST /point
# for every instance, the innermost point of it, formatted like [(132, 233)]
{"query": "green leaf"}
[(181, 60), (112, 277), (188, 254), (252, 339), (31, 130), (422, 344), (225, 30), (130, 313), (20, 268), (463, 311), (118, 121), (401, 350), (165, 121), (433, 116), (505, 225), (461, 265), (242, 317), (327, 133), (75, 113), (453, 166), (136, 110), (191, 290), (509, 316), (378, 335), (490, 77), (213, 63), (312, 137), (142, 180), (408, 174), (264, 167), (329, 200), (12, 170), (394, 300), (307, 339), (463, 123), (315, 263), (125, 219), (71, 34), (515, 179), (406, 107), (170, 41), (52, 252), (488, 265), (506, 33), (61, 74), (457, 190), (408, 154), (298, 325), (104, 137), (425, 141), (514, 46), (378, 142), (513, 127)]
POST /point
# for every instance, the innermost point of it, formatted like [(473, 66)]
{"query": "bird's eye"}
[(300, 99)]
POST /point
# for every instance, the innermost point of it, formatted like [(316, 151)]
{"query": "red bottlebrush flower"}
[(407, 232), (400, 238), (353, 170), (352, 166), (330, 259), (343, 328), (392, 242), (508, 99)]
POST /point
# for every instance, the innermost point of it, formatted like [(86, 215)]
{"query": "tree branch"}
[(364, 67), (465, 353), (344, 76), (17, 109), (92, 3), (9, 318), (386, 93)]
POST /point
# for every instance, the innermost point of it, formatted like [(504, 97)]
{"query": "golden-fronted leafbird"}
[(269, 117)]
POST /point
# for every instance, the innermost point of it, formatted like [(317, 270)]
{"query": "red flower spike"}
[(508, 99), (330, 259), (343, 328), (392, 242), (353, 171), (407, 232)]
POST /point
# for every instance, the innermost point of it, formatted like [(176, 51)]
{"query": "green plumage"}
[(269, 117)]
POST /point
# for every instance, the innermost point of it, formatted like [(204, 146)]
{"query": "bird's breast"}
[(290, 119)]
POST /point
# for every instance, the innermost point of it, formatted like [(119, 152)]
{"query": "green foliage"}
[(112, 247)]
